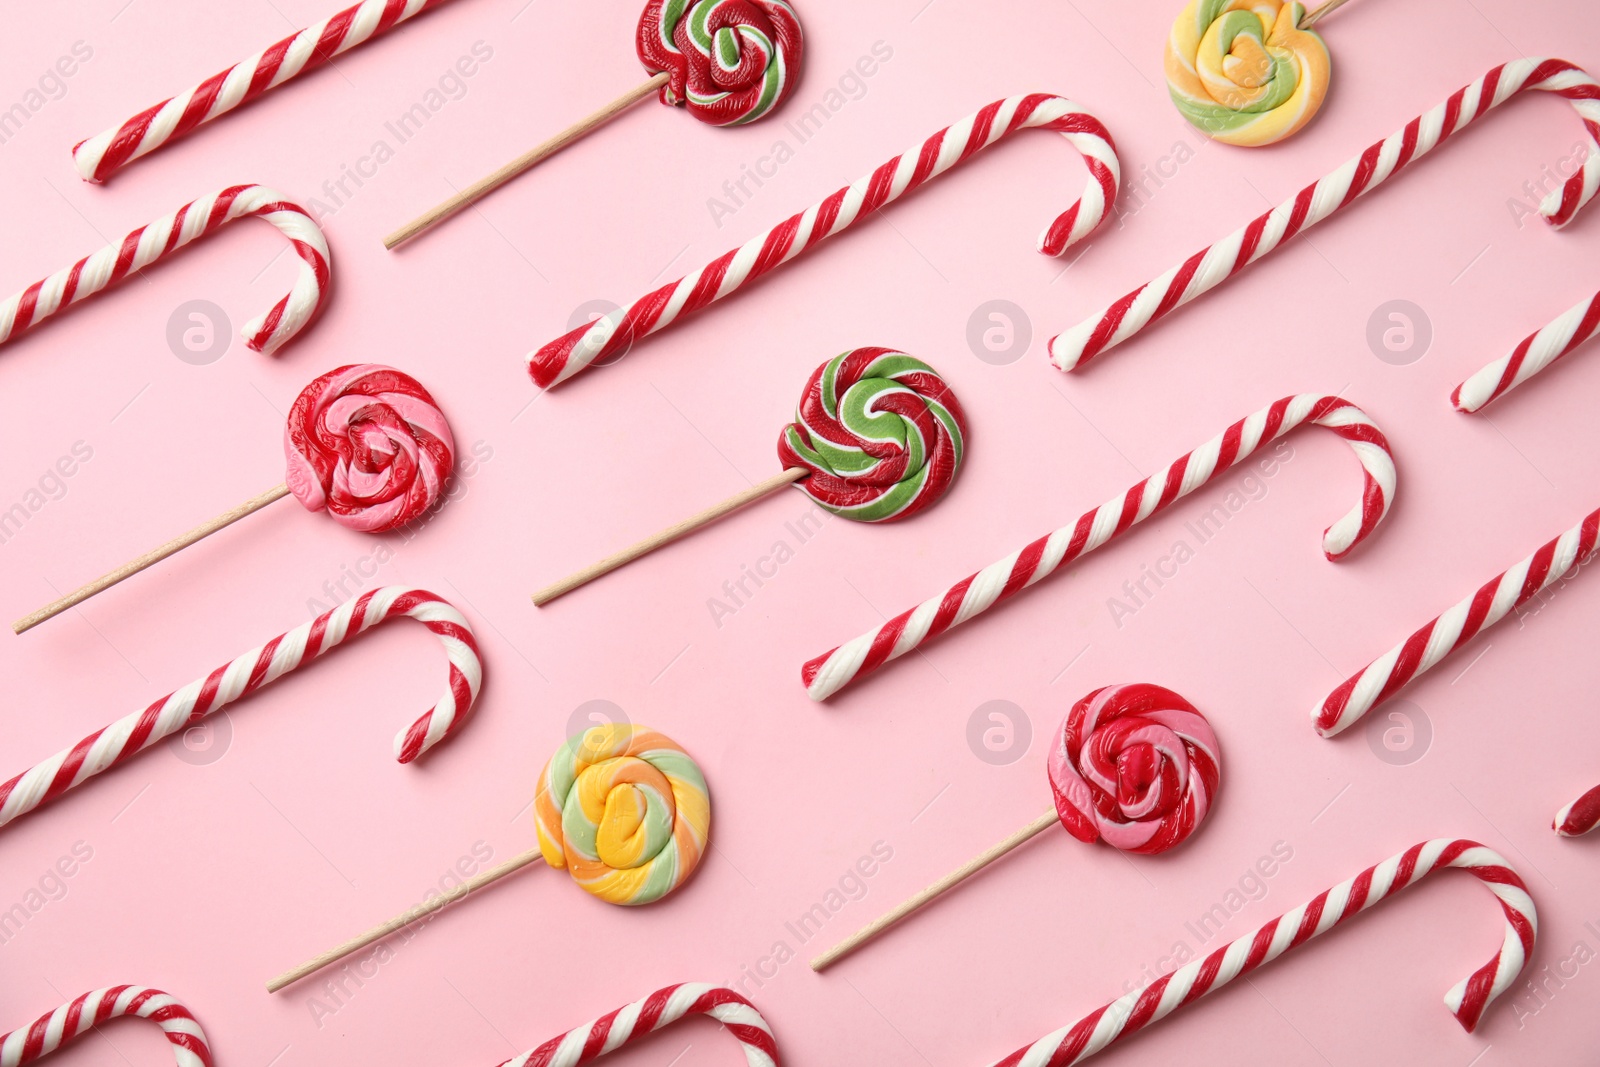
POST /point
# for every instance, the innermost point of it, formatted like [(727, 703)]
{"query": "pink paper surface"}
[(288, 827)]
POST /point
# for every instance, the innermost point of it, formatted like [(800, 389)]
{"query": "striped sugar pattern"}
[(610, 337), (73, 1019), (1536, 352), (107, 747), (1466, 1000), (1493, 601), (98, 157), (975, 594), (166, 235), (657, 1011), (1581, 816), (1214, 265)]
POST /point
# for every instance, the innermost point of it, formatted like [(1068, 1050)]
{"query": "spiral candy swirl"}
[(729, 61), (880, 432), (1135, 766), (625, 811), (1244, 72), (369, 444)]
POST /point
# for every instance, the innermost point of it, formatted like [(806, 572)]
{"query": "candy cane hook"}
[(71, 1020), (164, 236), (1422, 651), (971, 596), (612, 335), (1466, 999), (1214, 265), (1536, 352), (660, 1009), (98, 157), (108, 747)]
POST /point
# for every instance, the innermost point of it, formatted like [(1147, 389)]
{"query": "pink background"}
[(207, 878)]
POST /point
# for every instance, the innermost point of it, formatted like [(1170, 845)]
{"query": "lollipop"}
[(622, 808), (1248, 72), (727, 62), (365, 443), (878, 436), (1135, 766)]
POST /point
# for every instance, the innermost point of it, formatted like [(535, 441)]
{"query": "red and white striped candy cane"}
[(977, 593), (108, 151), (50, 1032), (1212, 266), (111, 745), (612, 335), (1536, 352), (1419, 653), (1466, 1000), (164, 236), (1581, 816), (660, 1009)]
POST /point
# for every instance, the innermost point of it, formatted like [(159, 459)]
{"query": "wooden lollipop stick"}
[(577, 131), (427, 907), (934, 891), (667, 536), (1327, 8), (154, 556)]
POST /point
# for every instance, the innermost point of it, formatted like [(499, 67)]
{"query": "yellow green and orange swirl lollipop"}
[(625, 811), (1248, 72), (623, 808)]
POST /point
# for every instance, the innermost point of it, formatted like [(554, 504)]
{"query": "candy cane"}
[(110, 746), (616, 332), (1581, 816), (657, 1011), (99, 156), (1536, 352), (166, 235), (975, 594), (1212, 266), (1493, 601), (1466, 999), (50, 1032)]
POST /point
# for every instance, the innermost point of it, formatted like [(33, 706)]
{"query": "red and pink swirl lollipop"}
[(726, 62), (1135, 766), (365, 443)]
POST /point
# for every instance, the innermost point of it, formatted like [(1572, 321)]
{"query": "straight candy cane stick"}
[(613, 335), (1212, 266), (1466, 1000), (77, 1017), (1536, 352), (99, 156), (1581, 816), (1423, 650), (977, 593), (105, 748), (166, 235), (660, 1009)]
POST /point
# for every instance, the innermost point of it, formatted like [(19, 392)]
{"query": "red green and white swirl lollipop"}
[(1136, 766), (726, 62), (877, 436)]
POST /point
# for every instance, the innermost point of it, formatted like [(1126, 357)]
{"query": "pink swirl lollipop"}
[(368, 444), (365, 443), (727, 62), (1135, 766)]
